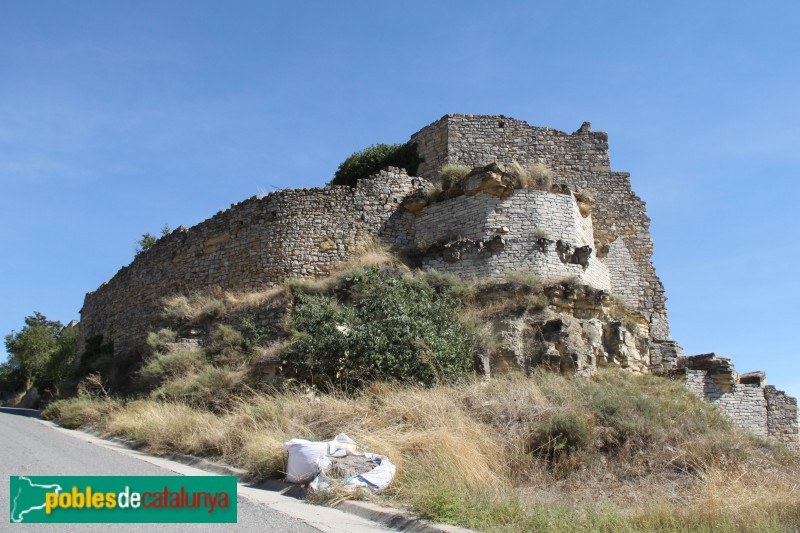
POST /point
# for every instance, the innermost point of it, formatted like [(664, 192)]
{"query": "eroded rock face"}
[(490, 179), (575, 329)]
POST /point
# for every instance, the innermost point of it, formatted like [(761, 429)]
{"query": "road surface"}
[(35, 448)]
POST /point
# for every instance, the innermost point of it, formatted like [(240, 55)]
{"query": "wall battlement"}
[(259, 242)]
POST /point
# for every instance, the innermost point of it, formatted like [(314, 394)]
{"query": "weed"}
[(227, 344), (452, 174), (616, 452), (535, 177), (208, 387), (171, 364), (81, 411), (157, 340)]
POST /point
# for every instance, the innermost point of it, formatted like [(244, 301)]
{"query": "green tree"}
[(370, 160), (148, 239), (30, 350), (61, 360)]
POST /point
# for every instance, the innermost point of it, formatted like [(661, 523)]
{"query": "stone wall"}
[(782, 416), (744, 404), (256, 243), (621, 225), (745, 398), (528, 231), (306, 232)]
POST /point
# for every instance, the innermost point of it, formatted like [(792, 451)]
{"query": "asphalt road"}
[(30, 447)]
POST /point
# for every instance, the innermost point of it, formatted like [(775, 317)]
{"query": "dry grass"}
[(240, 302), (657, 457), (271, 352), (370, 253), (85, 410), (171, 364), (536, 176), (211, 305), (166, 427), (208, 387), (615, 452), (452, 174)]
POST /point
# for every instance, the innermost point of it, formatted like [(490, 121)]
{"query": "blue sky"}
[(119, 117)]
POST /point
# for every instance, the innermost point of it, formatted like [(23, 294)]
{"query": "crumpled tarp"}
[(312, 461)]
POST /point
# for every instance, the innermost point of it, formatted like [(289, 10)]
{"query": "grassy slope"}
[(616, 452)]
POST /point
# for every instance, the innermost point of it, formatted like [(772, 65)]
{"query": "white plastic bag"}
[(378, 478), (301, 466)]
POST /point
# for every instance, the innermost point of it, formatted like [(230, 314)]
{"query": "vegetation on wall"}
[(366, 162), (148, 240), (452, 174), (536, 176)]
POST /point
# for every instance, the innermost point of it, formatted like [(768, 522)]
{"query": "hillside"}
[(609, 449)]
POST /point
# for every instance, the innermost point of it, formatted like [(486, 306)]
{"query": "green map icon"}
[(122, 499), (28, 498)]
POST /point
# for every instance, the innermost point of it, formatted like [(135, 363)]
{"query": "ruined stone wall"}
[(528, 231), (782, 416), (744, 404), (256, 243), (621, 225), (746, 398)]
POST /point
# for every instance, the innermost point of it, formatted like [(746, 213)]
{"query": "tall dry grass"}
[(214, 304), (536, 176), (656, 457)]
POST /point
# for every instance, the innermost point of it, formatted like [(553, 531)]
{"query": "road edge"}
[(361, 514)]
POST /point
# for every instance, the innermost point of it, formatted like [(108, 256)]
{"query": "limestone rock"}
[(584, 199), (757, 378), (490, 179), (415, 202)]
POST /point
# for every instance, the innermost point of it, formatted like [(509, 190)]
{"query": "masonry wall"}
[(256, 243), (782, 416), (621, 225), (745, 404), (494, 235)]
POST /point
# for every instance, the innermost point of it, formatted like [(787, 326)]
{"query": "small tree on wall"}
[(370, 160), (148, 240)]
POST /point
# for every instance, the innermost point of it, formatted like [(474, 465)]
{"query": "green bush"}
[(393, 328), (253, 336), (560, 433), (209, 387), (227, 344), (97, 355), (171, 364), (157, 340), (370, 160)]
